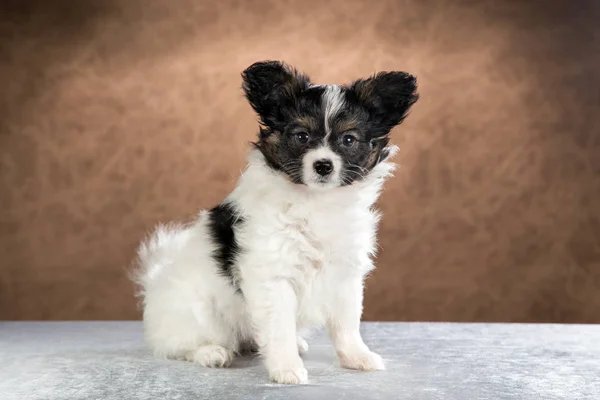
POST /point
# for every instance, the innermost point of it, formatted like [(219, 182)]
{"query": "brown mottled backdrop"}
[(118, 114)]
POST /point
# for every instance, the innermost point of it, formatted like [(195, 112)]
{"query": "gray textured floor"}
[(108, 360)]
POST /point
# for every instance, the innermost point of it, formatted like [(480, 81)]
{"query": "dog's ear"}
[(272, 88), (387, 96)]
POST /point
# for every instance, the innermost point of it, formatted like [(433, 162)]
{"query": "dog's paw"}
[(289, 376), (212, 356), (362, 361), (302, 345)]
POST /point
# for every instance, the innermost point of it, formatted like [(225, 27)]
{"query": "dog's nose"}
[(323, 167)]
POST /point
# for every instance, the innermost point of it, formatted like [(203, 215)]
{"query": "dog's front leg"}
[(273, 308), (343, 326)]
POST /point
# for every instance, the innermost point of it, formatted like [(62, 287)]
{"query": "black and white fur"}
[(290, 247)]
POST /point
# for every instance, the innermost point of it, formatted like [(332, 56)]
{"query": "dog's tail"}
[(156, 253)]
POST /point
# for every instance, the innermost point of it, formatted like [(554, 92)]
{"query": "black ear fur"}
[(387, 96), (271, 87)]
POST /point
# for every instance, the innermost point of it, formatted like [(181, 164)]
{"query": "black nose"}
[(323, 167)]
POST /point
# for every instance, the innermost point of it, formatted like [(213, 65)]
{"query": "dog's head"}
[(325, 136)]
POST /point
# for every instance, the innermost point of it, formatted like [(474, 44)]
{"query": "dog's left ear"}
[(387, 96), (272, 87)]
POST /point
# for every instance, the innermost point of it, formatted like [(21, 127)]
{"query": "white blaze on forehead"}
[(333, 101)]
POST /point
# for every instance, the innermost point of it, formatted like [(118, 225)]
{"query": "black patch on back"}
[(222, 221)]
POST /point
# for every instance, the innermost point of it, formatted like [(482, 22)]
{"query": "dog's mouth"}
[(321, 182)]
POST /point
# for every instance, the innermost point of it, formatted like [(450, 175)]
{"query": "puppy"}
[(290, 247)]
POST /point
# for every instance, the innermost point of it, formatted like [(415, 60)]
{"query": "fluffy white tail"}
[(156, 252)]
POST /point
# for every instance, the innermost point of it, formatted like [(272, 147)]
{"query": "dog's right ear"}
[(272, 87)]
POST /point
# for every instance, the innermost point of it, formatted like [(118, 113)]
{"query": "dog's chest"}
[(329, 238), (328, 247)]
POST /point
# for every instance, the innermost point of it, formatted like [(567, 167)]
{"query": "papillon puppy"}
[(290, 247)]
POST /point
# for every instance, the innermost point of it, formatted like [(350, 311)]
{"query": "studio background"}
[(120, 114)]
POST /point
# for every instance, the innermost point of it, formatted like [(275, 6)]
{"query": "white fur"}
[(334, 101), (305, 254)]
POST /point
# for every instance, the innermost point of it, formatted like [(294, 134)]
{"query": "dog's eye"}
[(348, 140), (302, 137)]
